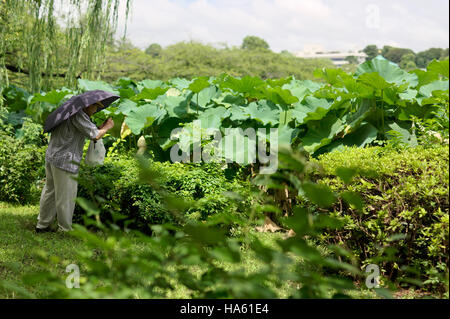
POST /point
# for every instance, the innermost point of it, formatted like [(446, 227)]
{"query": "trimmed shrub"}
[(118, 183), (406, 212)]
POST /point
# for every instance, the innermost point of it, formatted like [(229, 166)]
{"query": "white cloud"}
[(291, 24)]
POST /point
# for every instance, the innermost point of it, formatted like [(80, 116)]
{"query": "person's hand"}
[(108, 124)]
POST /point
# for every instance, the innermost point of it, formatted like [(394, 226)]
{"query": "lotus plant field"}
[(380, 102)]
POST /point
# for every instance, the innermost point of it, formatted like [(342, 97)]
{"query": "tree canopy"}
[(34, 43), (425, 57), (154, 50), (254, 43), (371, 51)]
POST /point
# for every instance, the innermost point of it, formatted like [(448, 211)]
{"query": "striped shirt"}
[(67, 140)]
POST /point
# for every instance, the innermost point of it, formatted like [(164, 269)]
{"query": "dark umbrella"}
[(76, 103)]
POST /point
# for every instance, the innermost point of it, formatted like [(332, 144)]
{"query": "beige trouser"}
[(57, 198)]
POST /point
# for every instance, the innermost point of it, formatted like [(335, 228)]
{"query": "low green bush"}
[(117, 183), (22, 169), (406, 211)]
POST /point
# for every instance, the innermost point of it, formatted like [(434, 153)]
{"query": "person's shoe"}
[(44, 230)]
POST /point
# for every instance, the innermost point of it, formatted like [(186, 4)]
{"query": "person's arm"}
[(82, 122), (105, 127), (84, 125)]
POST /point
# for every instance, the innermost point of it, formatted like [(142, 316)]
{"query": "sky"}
[(292, 25)]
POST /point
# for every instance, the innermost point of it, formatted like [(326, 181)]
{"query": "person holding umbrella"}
[(70, 125)]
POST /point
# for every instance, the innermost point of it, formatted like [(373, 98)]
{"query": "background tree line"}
[(406, 58), (192, 59)]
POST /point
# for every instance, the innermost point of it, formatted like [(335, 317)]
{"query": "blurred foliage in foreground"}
[(194, 256)]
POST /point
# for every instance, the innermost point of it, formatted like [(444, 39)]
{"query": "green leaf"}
[(126, 83), (389, 71), (151, 84), (310, 85), (127, 93), (390, 95), (353, 199), (301, 89), (427, 90), (205, 234), (384, 293), (321, 133), (185, 277), (52, 97), (228, 100), (439, 67), (286, 135), (264, 253), (312, 109), (362, 136), (179, 83), (335, 77), (87, 85), (199, 84), (346, 174), (354, 119), (409, 94), (176, 106), (16, 118), (319, 194), (238, 113), (410, 110), (279, 96), (125, 107), (278, 82), (90, 208), (226, 254), (212, 118), (16, 99), (424, 77), (246, 85), (264, 112), (300, 221), (298, 91), (149, 94), (206, 95), (374, 80), (143, 116), (404, 129), (165, 129)]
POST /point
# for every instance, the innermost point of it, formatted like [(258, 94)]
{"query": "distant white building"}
[(337, 57)]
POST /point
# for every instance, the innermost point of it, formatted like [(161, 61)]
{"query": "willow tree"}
[(45, 45)]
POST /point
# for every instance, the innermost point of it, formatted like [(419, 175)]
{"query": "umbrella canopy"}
[(76, 103)]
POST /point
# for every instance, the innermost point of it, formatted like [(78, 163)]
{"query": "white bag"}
[(96, 153)]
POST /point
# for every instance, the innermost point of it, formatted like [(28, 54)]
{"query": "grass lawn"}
[(18, 242)]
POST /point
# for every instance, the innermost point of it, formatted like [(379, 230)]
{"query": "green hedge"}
[(406, 213), (118, 183), (22, 168)]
